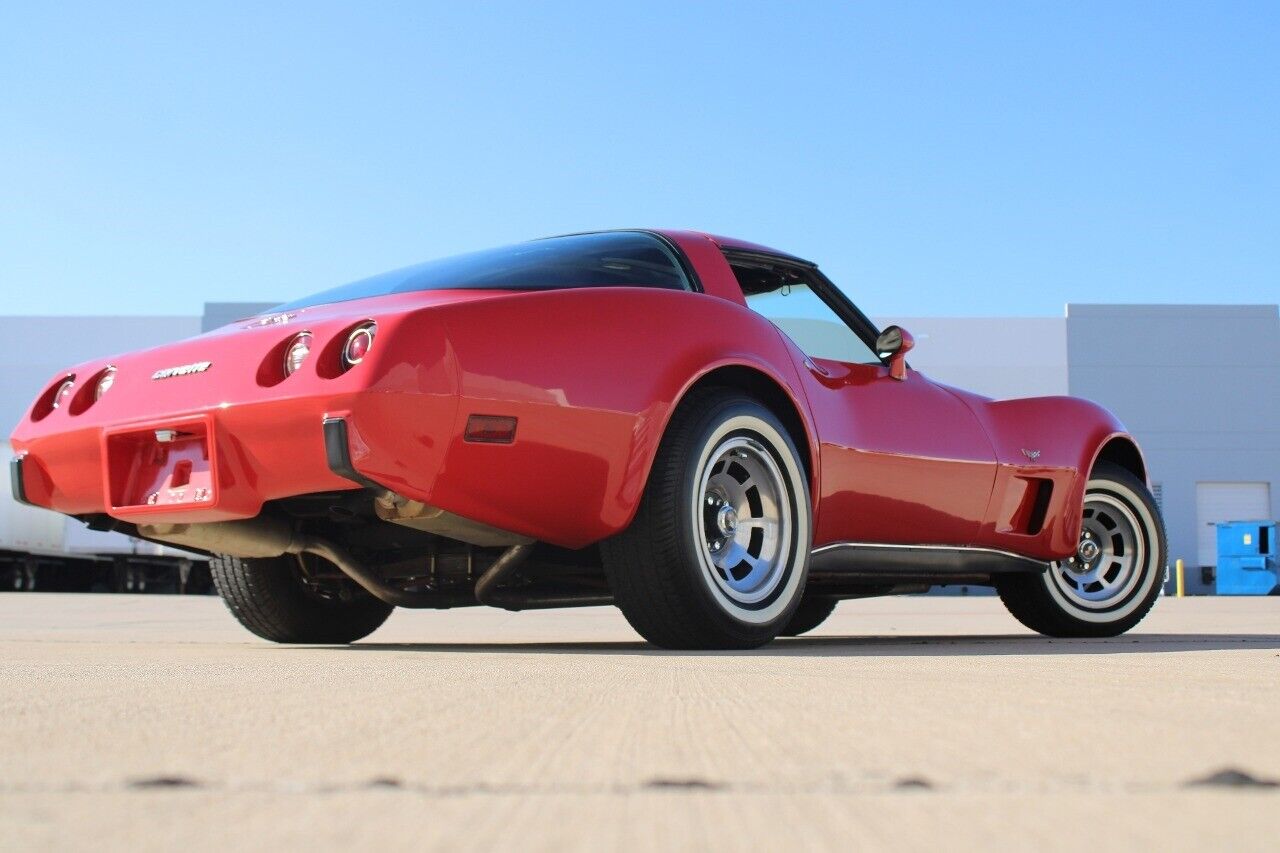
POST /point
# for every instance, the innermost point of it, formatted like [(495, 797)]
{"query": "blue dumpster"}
[(1247, 563)]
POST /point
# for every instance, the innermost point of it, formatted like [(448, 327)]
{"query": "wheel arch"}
[(1122, 450), (774, 396)]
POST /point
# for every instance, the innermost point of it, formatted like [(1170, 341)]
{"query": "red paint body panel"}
[(714, 273), (592, 376), (265, 427), (902, 462), (591, 406), (1067, 432)]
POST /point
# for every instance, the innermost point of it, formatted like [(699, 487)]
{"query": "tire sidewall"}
[(731, 418), (1151, 572), (267, 596)]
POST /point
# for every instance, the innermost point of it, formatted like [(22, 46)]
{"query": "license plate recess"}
[(161, 468)]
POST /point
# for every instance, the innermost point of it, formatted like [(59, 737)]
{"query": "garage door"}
[(1217, 502)]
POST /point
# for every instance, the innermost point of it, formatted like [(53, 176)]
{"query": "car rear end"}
[(211, 428), (305, 450)]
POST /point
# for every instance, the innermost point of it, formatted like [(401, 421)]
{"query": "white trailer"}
[(28, 536)]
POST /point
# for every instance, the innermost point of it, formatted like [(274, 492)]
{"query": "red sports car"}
[(703, 431)]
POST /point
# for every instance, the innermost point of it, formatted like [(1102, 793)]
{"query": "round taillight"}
[(63, 394), (296, 354), (105, 382), (359, 342)]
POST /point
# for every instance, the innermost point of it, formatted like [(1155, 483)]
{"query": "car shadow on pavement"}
[(870, 646)]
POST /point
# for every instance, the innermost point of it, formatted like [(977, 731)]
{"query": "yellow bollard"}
[(1180, 575)]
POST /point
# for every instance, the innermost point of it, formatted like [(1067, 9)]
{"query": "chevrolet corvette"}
[(705, 432)]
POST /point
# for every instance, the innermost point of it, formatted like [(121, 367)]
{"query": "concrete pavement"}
[(154, 722)]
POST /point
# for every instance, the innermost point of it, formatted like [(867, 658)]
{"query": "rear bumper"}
[(222, 464), (337, 453), (15, 479)]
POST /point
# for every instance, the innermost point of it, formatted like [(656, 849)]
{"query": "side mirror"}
[(895, 342)]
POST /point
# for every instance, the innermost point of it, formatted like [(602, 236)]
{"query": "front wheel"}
[(718, 553), (1114, 577)]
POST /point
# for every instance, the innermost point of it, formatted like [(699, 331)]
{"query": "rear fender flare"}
[(731, 370)]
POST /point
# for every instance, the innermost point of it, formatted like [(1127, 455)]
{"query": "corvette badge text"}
[(182, 370)]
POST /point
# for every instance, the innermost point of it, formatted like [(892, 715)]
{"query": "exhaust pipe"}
[(488, 593), (252, 537), (273, 537), (375, 585)]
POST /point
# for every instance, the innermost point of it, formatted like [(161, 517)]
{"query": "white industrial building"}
[(42, 346), (1198, 385)]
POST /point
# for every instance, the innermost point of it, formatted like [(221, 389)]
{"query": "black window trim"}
[(827, 291), (682, 260), (690, 274), (682, 264)]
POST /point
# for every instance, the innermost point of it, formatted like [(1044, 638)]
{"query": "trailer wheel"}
[(272, 598)]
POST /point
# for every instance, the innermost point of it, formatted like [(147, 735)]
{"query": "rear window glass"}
[(614, 259)]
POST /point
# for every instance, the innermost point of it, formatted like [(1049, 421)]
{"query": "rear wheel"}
[(1114, 577), (717, 555), (274, 599), (811, 613)]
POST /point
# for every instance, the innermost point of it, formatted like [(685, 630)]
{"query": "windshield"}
[(612, 259)]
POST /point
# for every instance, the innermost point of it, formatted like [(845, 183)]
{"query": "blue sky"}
[(934, 158)]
